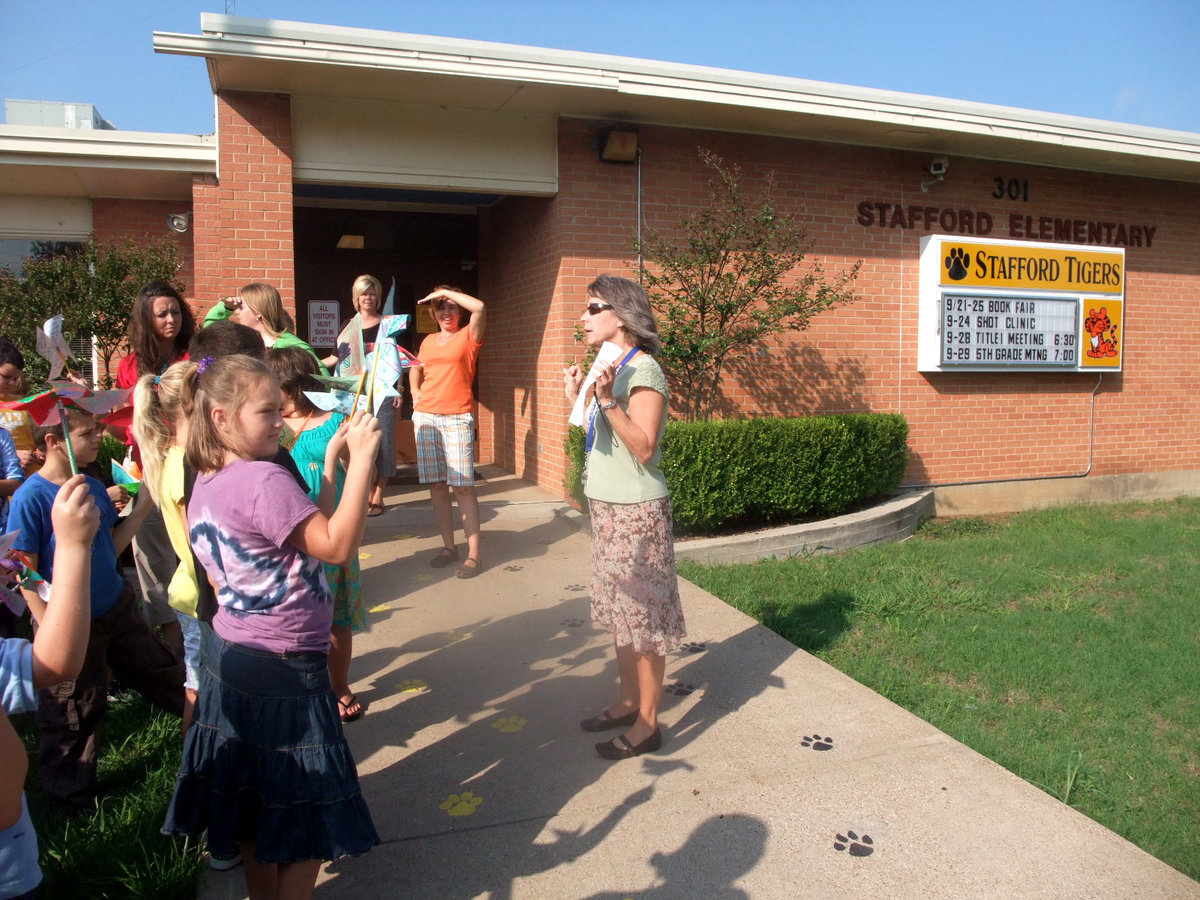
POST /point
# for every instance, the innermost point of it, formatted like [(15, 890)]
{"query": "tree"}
[(93, 285), (725, 280)]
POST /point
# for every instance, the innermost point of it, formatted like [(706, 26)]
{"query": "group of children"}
[(266, 541)]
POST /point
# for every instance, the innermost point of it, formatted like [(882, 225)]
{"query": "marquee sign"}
[(1009, 305)]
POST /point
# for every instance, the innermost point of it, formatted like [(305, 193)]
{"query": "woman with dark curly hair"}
[(160, 329)]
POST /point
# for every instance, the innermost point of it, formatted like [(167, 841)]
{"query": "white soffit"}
[(384, 143), (45, 218), (297, 58), (69, 162)]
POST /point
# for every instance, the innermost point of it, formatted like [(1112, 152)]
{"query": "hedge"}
[(728, 471)]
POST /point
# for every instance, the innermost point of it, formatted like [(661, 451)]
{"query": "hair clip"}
[(157, 378), (203, 365)]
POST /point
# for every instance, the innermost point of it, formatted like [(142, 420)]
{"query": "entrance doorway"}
[(416, 250)]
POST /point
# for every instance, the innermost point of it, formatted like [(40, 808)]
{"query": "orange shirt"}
[(449, 372)]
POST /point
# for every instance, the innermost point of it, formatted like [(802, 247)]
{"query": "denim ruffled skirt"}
[(265, 760)]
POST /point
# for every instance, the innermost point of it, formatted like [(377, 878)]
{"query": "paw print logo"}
[(381, 608), (693, 647), (573, 623), (364, 556), (576, 588), (858, 846), (411, 686), (513, 568), (509, 724), (679, 688), (957, 263), (816, 742), (463, 804)]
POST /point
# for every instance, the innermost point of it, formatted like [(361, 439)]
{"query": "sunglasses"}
[(595, 308)]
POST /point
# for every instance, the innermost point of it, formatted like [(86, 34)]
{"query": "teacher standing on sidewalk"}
[(635, 592), (443, 421)]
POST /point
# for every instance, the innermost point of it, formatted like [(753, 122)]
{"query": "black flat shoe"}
[(605, 721), (620, 748)]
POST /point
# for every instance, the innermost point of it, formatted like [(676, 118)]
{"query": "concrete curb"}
[(892, 520)]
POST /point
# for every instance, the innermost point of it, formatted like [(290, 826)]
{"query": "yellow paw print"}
[(382, 607), (509, 724), (463, 804), (363, 556), (411, 686)]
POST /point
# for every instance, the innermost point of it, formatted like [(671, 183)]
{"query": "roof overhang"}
[(72, 162), (287, 57)]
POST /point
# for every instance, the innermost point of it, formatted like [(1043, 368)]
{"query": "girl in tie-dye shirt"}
[(266, 768)]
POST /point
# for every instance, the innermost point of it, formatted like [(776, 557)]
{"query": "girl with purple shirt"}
[(266, 768)]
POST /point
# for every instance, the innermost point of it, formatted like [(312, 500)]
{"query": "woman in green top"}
[(259, 306), (635, 593)]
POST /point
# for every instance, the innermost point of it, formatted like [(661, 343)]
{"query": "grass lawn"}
[(117, 852), (1064, 644)]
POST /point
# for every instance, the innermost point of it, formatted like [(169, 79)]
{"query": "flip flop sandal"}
[(344, 706), (375, 509)]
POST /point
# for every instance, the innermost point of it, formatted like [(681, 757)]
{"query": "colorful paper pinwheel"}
[(15, 574), (46, 407), (382, 368)]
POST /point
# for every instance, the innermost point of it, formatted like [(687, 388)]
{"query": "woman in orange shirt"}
[(443, 419)]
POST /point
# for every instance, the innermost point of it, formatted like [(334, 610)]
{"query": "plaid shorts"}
[(445, 448)]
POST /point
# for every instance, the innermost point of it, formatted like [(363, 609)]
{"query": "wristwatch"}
[(609, 405)]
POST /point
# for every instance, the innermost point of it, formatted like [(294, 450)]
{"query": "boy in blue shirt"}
[(119, 641), (56, 654)]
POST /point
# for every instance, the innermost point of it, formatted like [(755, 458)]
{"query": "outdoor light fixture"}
[(179, 222), (618, 144), (350, 242)]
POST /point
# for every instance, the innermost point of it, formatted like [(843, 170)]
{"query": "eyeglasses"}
[(595, 308)]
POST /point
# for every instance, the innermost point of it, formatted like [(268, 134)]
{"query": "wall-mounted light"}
[(350, 242), (617, 144), (179, 222)]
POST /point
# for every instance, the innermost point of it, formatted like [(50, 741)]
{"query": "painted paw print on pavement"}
[(693, 647), (817, 742), (573, 623), (463, 804), (957, 264), (423, 577), (411, 686), (859, 846), (679, 688), (509, 724), (513, 568), (576, 587)]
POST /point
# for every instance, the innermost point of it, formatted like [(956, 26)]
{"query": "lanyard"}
[(594, 408)]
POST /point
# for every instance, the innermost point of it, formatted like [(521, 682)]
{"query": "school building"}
[(1027, 300)]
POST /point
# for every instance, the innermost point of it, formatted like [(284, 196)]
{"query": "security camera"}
[(938, 167)]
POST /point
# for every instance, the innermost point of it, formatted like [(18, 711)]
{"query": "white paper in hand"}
[(609, 353)]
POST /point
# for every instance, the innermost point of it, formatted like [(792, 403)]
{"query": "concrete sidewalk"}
[(779, 777)]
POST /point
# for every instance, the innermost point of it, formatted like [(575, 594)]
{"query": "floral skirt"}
[(345, 583), (635, 592), (265, 760)]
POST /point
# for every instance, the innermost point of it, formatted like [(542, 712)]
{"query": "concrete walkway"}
[(779, 776)]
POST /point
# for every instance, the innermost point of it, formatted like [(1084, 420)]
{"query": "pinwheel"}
[(46, 407), (52, 346), (382, 368), (15, 573)]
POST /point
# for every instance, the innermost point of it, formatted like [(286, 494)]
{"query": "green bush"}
[(728, 471)]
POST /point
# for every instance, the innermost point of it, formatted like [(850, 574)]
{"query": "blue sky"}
[(1128, 62)]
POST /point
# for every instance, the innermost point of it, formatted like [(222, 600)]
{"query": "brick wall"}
[(243, 218), (114, 220), (861, 357)]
